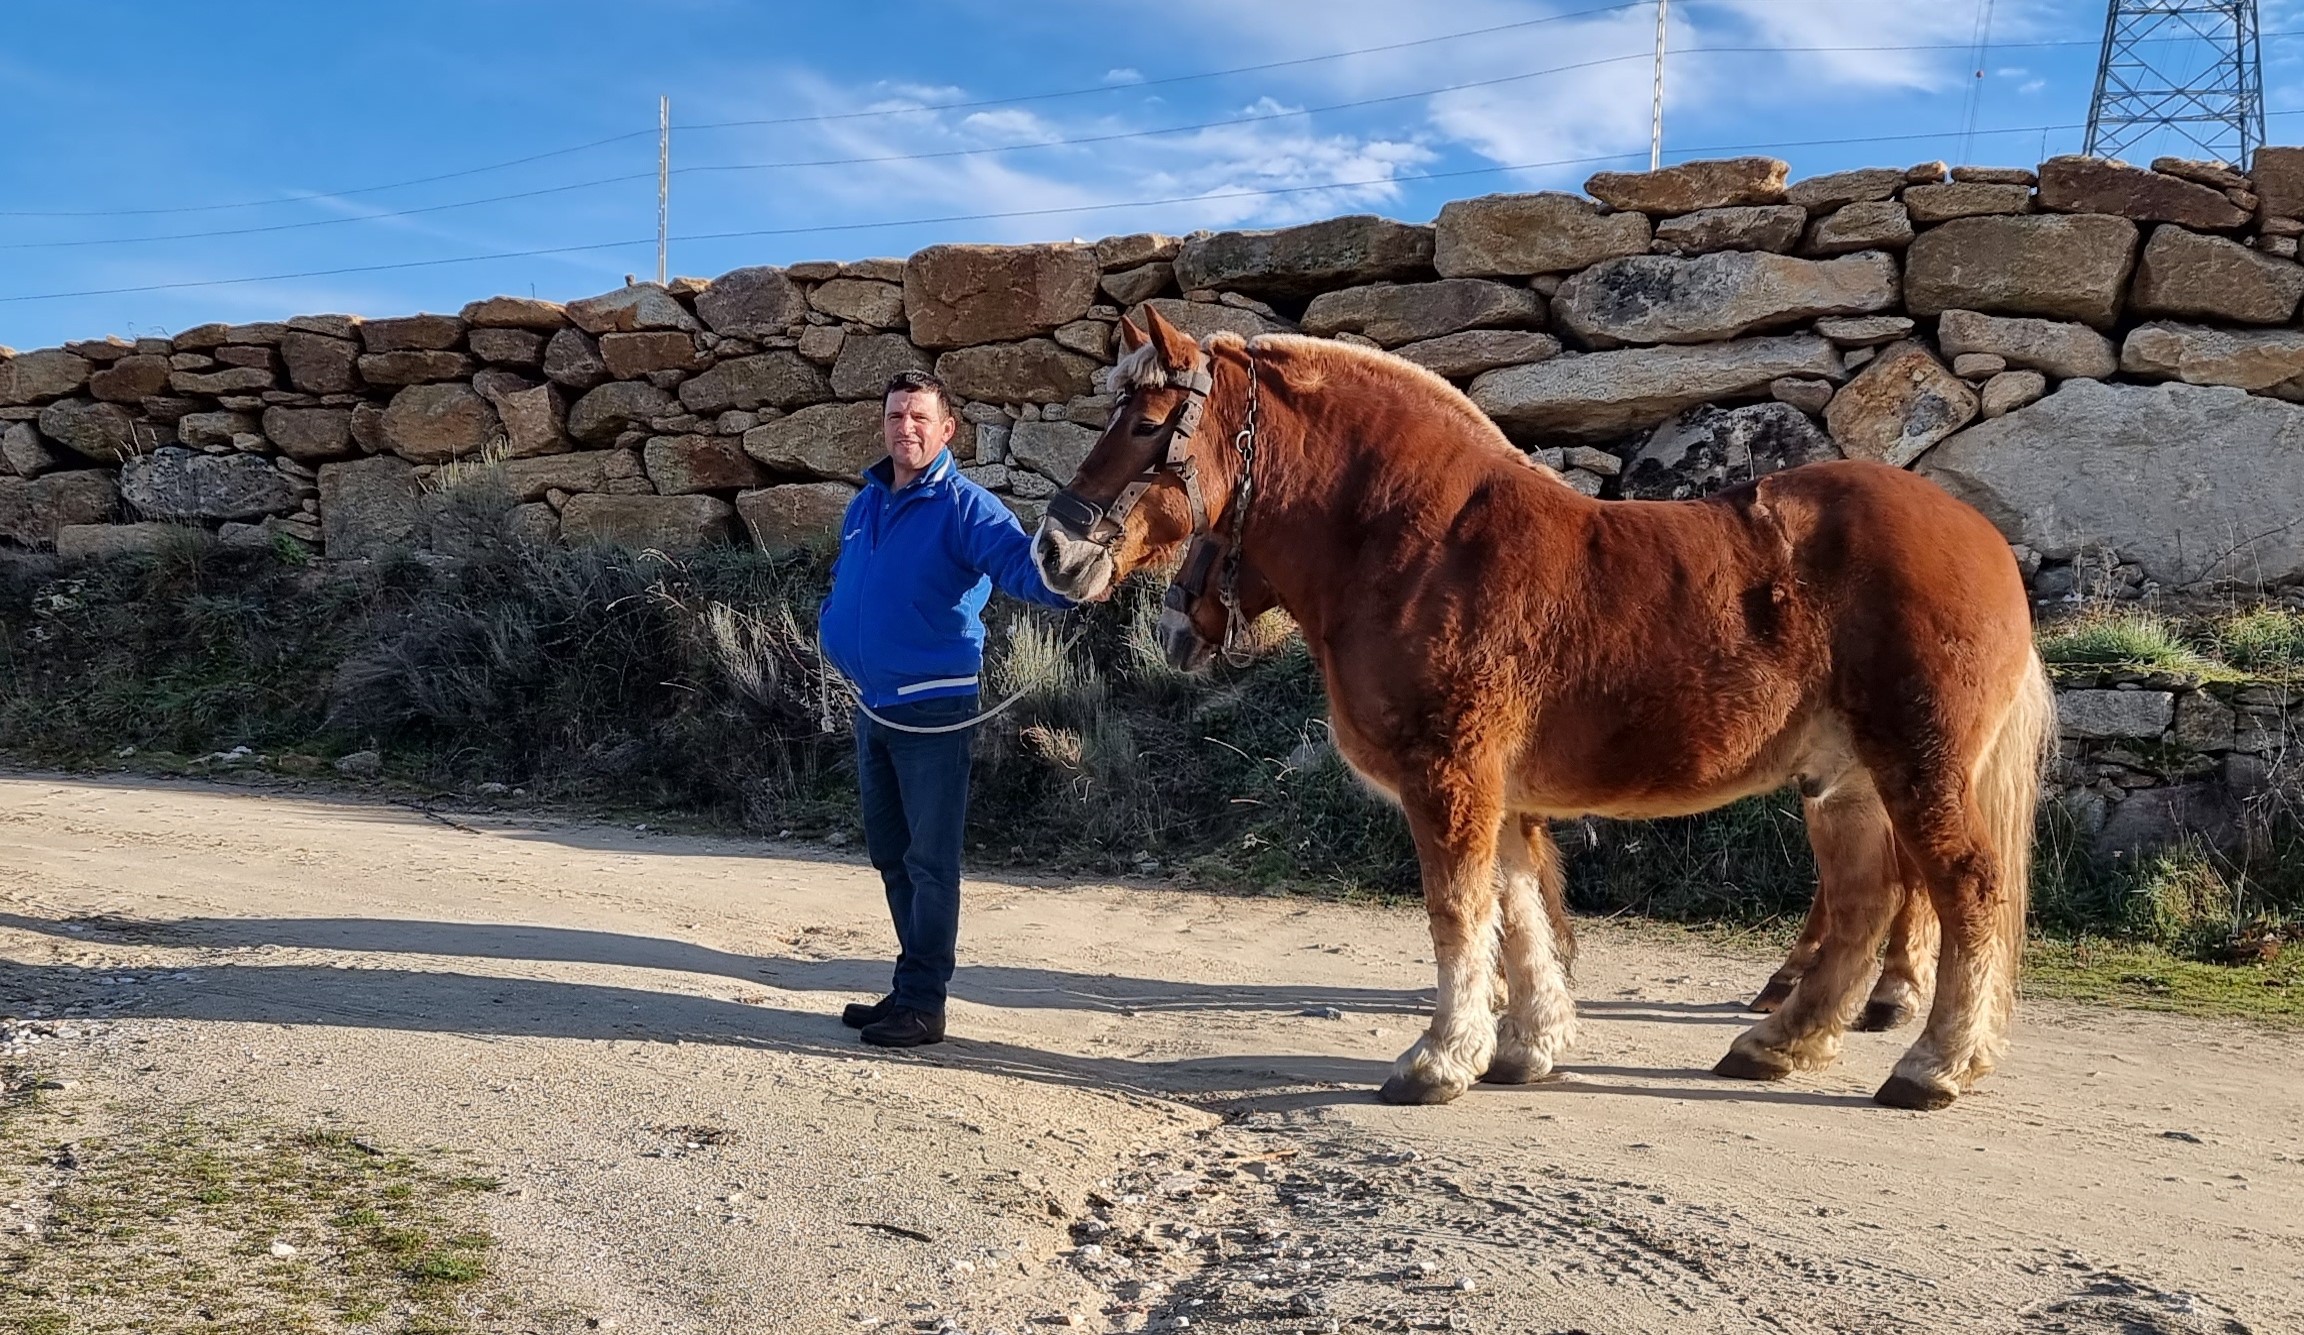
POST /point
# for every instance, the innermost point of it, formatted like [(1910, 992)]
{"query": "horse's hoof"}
[(1409, 1090), (1772, 996), (1517, 1071), (1740, 1064), (1881, 1016), (1903, 1091)]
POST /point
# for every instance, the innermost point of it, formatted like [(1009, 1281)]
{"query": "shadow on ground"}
[(433, 1001)]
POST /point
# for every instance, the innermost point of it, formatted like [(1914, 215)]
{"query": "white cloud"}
[(1572, 91), (1218, 174), (1873, 29), (1596, 98), (1123, 75), (1010, 125)]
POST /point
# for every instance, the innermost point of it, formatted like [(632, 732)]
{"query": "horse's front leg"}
[(1454, 823)]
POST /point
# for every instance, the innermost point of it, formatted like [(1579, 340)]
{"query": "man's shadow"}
[(426, 1001)]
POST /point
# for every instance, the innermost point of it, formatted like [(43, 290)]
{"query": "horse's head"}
[(1148, 483), (1194, 620)]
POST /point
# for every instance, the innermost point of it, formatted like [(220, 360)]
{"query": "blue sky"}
[(143, 116)]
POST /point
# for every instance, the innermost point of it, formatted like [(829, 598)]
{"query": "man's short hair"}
[(918, 382)]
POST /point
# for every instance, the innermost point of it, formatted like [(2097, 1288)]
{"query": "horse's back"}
[(1908, 583), (1871, 533)]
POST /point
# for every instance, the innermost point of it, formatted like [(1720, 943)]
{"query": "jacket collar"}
[(883, 473)]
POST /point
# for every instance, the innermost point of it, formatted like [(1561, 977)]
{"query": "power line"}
[(333, 222), (1967, 133), (831, 162), (843, 116), (827, 228), (324, 194), (829, 117), (1249, 69), (1983, 51)]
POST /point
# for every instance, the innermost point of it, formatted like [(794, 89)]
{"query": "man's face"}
[(915, 428)]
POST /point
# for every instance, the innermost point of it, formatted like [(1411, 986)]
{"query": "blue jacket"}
[(905, 619)]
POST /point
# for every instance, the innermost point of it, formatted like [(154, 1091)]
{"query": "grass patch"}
[(2256, 643), (1747, 863), (207, 1222), (2143, 977), (2124, 637), (2264, 640)]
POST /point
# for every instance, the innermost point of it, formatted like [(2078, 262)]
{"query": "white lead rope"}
[(825, 698)]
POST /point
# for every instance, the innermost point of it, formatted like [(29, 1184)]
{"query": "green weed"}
[(2263, 640), (201, 1221), (2122, 637)]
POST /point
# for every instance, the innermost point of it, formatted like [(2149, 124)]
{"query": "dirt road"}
[(1156, 1109)]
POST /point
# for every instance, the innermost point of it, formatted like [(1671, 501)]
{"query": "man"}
[(920, 550)]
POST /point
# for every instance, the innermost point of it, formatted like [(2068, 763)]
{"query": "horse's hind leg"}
[(1455, 829), (1975, 976), (1539, 1019), (1799, 960), (1855, 897), (1909, 973)]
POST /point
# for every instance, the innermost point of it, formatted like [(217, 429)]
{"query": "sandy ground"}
[(1155, 1112)]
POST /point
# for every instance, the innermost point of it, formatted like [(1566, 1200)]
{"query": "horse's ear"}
[(1178, 351), (1131, 338)]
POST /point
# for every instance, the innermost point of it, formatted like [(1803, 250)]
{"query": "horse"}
[(1202, 617), (1499, 650)]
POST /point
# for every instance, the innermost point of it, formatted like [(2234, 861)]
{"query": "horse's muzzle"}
[(1070, 564), (1180, 644)]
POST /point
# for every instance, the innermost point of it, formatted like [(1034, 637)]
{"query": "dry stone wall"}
[(2145, 758), (2105, 359)]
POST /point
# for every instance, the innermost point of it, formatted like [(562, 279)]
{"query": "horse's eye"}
[(1145, 426)]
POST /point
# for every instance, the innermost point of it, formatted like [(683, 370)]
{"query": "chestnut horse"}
[(1200, 619), (1499, 650)]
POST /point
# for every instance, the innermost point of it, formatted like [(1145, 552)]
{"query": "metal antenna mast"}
[(663, 185), (1656, 111), (2193, 69)]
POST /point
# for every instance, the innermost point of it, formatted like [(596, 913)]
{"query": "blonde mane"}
[(1443, 400), (1141, 369)]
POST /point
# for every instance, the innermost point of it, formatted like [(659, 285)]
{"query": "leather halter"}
[(1102, 524)]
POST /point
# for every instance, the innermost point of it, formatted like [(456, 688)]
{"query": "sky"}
[(166, 164)]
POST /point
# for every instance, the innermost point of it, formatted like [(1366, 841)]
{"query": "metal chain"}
[(1228, 584)]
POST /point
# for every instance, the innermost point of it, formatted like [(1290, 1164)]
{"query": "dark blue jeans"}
[(915, 797)]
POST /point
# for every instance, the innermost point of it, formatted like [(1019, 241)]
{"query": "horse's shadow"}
[(438, 1001), (1670, 1012)]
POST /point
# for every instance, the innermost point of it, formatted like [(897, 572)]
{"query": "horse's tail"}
[(2007, 785)]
